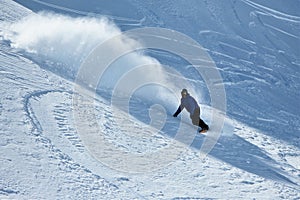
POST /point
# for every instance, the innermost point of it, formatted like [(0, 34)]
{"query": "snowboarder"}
[(190, 104)]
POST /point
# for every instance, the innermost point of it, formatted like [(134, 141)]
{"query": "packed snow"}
[(67, 133)]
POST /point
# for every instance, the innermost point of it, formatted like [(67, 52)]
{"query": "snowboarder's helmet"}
[(184, 92)]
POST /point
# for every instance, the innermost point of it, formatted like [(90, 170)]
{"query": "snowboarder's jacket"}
[(189, 103)]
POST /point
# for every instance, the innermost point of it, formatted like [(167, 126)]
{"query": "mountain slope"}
[(255, 46), (43, 154)]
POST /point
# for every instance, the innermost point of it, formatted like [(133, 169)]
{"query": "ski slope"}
[(63, 140)]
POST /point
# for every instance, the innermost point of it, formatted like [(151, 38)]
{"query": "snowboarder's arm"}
[(178, 111)]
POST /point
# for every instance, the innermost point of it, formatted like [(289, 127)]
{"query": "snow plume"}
[(62, 43), (59, 38)]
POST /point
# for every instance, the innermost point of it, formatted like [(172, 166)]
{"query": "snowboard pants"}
[(197, 121)]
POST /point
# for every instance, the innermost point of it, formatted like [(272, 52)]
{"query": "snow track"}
[(272, 12), (52, 127)]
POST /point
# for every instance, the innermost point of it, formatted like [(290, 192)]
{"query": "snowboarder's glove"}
[(177, 112)]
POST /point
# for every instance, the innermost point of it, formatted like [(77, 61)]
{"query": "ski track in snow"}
[(42, 155), (272, 12), (61, 114)]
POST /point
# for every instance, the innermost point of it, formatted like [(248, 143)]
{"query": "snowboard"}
[(200, 131)]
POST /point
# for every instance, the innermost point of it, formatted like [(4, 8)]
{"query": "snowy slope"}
[(44, 154)]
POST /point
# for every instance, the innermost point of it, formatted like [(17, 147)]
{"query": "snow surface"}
[(112, 146)]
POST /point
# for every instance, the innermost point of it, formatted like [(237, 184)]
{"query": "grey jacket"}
[(189, 103)]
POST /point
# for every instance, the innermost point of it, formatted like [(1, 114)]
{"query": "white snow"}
[(60, 140)]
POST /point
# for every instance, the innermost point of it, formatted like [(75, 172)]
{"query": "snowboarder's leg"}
[(195, 117), (197, 121), (203, 125)]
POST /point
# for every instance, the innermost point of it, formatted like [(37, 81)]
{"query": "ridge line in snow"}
[(83, 12), (273, 13)]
